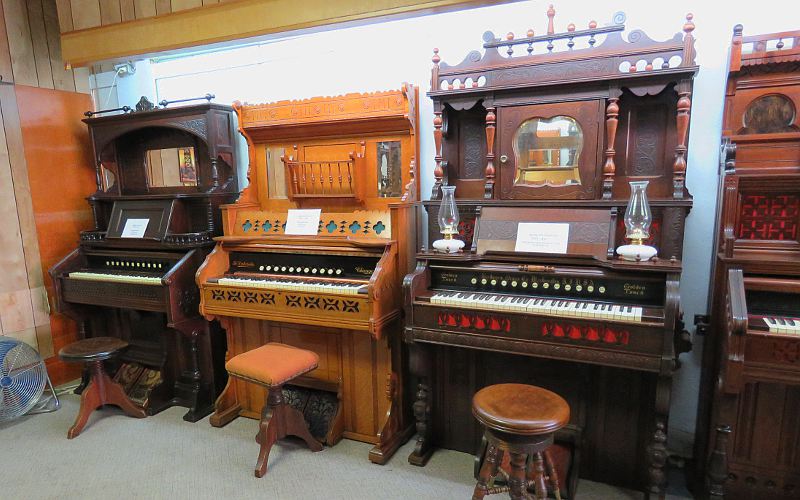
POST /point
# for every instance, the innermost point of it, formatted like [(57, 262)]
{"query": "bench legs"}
[(100, 391), (279, 420)]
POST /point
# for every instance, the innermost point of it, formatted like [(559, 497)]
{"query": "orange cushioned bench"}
[(273, 365)]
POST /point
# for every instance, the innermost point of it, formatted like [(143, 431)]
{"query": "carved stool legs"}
[(542, 468), (494, 457), (101, 390), (279, 420)]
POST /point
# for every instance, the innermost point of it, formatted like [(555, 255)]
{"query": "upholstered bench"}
[(273, 365)]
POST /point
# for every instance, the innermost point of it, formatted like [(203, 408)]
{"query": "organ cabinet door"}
[(549, 150)]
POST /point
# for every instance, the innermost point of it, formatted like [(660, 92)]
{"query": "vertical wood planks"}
[(163, 7), (6, 73), (64, 9), (144, 8), (20, 44), (40, 46), (86, 14), (127, 10), (110, 11), (63, 79), (185, 4)]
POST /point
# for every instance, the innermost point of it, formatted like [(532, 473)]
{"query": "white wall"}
[(381, 56)]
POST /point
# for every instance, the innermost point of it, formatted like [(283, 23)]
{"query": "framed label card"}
[(542, 237), (303, 222), (134, 228)]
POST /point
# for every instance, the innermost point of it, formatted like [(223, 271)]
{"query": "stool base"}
[(101, 390), (279, 420)]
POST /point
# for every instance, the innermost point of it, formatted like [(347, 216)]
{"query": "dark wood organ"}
[(549, 129), (161, 176), (750, 386), (336, 290)]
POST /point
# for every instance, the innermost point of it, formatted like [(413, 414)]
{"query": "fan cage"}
[(22, 378)]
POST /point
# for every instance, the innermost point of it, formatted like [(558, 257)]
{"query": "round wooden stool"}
[(101, 389), (273, 365), (521, 420)]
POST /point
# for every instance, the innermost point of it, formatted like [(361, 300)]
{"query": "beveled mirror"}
[(172, 167), (547, 152)]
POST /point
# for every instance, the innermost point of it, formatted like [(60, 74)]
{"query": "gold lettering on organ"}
[(448, 277), (633, 289)]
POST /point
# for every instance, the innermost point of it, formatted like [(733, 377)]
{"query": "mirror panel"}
[(172, 167), (389, 169), (548, 151)]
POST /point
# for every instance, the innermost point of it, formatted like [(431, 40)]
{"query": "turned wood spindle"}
[(679, 166), (438, 171), (491, 120), (610, 168), (688, 41), (435, 73), (551, 13)]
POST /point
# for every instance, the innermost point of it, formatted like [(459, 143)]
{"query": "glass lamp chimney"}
[(448, 213), (638, 216)]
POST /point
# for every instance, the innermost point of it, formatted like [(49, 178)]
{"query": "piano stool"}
[(272, 365), (522, 420), (101, 389)]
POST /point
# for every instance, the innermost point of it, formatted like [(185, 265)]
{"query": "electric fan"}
[(23, 376)]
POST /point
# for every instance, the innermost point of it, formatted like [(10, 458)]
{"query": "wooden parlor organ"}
[(750, 386), (336, 291), (527, 133), (162, 173)]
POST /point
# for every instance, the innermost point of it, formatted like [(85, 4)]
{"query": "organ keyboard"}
[(299, 284), (482, 303)]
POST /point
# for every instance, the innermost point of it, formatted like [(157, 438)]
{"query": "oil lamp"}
[(637, 224), (448, 222)]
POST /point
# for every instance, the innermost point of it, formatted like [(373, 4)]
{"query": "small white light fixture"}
[(637, 224), (448, 222)]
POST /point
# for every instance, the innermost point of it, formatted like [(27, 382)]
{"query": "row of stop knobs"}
[(305, 270), (534, 285)]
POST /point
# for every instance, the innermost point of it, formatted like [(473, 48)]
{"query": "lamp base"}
[(448, 246), (636, 252)]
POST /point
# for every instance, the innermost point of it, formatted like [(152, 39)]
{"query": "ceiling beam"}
[(228, 21)]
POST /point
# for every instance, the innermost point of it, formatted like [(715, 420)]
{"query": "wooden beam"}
[(227, 21)]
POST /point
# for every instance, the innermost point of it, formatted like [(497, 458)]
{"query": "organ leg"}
[(657, 449), (420, 367)]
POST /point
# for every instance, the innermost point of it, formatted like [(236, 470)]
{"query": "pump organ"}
[(750, 385), (161, 176), (538, 129), (336, 292)]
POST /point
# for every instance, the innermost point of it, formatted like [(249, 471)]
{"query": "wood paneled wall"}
[(82, 14), (30, 47), (45, 171)]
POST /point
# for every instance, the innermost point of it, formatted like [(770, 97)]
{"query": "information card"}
[(303, 222), (542, 237), (134, 228)]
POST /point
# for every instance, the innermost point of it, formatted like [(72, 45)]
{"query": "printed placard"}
[(303, 222), (134, 228), (542, 237)]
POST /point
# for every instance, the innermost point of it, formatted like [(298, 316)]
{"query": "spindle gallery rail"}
[(331, 178)]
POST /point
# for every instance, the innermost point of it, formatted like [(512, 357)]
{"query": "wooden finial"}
[(436, 57), (592, 25), (738, 30), (510, 35), (570, 27), (689, 26), (551, 13), (632, 69), (530, 33)]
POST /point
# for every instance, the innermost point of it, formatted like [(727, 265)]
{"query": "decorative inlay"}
[(772, 216), (196, 126)]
